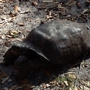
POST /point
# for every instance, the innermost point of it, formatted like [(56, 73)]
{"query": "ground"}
[(18, 18)]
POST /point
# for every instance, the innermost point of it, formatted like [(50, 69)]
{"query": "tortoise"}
[(51, 44)]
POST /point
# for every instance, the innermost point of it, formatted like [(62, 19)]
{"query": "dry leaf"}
[(53, 82), (13, 87), (72, 76), (48, 17), (5, 79), (84, 88), (16, 9), (86, 83), (13, 14), (70, 88), (50, 13), (9, 36), (3, 36), (14, 32), (75, 88), (11, 40), (1, 25), (18, 87), (43, 85), (2, 0), (47, 85), (66, 83), (18, 39), (34, 3), (21, 24)]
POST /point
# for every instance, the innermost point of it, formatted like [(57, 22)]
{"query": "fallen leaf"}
[(1, 25), (13, 87), (53, 82), (70, 88), (12, 14), (50, 13), (48, 85), (9, 36), (48, 17), (5, 79), (2, 0), (21, 24), (3, 36), (18, 39), (85, 83), (84, 88), (34, 3), (18, 87), (43, 86), (75, 88), (16, 9), (13, 33), (72, 76), (66, 83)]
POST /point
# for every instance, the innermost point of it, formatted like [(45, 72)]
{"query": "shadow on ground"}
[(40, 75)]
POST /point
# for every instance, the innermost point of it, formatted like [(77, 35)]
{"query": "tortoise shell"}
[(58, 42)]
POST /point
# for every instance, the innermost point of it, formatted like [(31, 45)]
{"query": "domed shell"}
[(59, 41)]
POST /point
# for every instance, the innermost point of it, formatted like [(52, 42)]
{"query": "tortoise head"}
[(12, 54)]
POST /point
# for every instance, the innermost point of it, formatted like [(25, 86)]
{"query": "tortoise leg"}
[(26, 63)]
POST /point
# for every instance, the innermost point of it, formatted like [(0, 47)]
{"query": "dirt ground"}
[(18, 18)]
